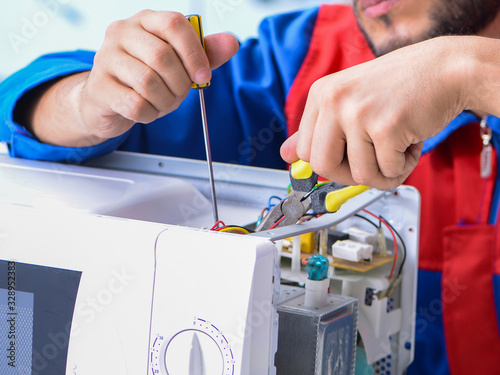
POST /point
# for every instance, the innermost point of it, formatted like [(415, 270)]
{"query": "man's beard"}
[(448, 17)]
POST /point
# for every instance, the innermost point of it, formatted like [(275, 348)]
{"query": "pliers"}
[(307, 194)]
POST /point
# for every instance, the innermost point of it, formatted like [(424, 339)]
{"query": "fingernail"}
[(202, 76)]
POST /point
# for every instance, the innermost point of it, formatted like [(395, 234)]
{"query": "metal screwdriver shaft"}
[(209, 155), (195, 21)]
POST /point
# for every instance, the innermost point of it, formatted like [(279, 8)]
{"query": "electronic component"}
[(353, 251), (317, 341), (382, 242), (307, 243), (317, 282), (334, 236), (360, 235)]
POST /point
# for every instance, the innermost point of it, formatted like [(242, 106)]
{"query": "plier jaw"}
[(287, 212)]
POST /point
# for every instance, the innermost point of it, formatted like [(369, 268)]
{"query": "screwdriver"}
[(195, 21)]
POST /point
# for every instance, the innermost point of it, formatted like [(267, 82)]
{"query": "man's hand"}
[(366, 125), (143, 71)]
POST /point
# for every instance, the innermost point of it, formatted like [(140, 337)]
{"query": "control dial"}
[(199, 350)]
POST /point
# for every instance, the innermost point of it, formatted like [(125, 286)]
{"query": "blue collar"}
[(463, 119)]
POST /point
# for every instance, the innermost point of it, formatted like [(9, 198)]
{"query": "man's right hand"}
[(143, 71), (367, 124)]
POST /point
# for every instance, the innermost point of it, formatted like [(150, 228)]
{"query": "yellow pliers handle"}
[(335, 199)]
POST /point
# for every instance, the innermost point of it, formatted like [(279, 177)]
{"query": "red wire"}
[(216, 224), (393, 237), (279, 221)]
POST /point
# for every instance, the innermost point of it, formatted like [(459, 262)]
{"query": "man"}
[(366, 124)]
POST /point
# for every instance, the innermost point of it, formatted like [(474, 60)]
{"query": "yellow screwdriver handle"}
[(337, 198), (195, 21)]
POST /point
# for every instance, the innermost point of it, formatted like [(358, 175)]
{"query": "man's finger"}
[(396, 160), (328, 146), (127, 103), (364, 164), (140, 77), (160, 56), (175, 29), (288, 149), (220, 48), (307, 129)]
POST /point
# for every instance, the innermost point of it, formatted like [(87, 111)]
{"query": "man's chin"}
[(392, 45), (387, 41)]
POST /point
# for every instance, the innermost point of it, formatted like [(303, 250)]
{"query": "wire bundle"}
[(219, 226)]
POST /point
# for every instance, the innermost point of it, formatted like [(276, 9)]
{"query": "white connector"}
[(360, 235), (352, 250)]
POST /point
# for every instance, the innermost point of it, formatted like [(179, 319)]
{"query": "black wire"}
[(368, 220), (402, 243)]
